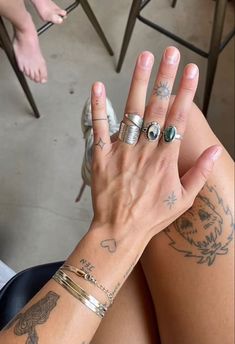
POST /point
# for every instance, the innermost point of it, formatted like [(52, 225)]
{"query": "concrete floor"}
[(40, 160)]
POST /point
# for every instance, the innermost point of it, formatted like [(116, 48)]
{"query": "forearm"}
[(65, 319)]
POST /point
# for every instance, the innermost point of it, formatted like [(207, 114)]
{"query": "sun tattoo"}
[(162, 90)]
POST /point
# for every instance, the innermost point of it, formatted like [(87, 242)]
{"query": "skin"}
[(117, 237), (25, 42)]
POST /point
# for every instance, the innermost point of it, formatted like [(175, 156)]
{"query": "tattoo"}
[(205, 231), (131, 267), (99, 119), (162, 90), (86, 266), (110, 244), (100, 143), (171, 199), (116, 288), (37, 314)]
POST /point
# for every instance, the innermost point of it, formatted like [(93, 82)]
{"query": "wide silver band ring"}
[(152, 131), (170, 134), (128, 133), (134, 118)]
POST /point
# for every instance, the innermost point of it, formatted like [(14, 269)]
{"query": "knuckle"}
[(180, 117)]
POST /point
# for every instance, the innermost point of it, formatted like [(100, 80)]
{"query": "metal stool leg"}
[(173, 3), (7, 47), (214, 51), (90, 14), (128, 32)]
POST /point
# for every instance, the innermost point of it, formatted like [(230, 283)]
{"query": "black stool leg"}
[(128, 32), (173, 3), (7, 47), (217, 30), (90, 14)]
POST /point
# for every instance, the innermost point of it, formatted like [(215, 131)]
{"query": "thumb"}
[(194, 180)]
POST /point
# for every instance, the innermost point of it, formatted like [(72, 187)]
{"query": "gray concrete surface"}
[(40, 160)]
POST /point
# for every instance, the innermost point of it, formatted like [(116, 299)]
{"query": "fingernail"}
[(216, 154), (171, 55), (97, 89), (191, 71), (43, 81), (146, 60)]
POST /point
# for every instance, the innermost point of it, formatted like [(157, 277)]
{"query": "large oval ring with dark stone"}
[(170, 134), (135, 118), (152, 131)]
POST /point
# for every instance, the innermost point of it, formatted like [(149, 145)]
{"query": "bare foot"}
[(49, 11), (28, 53)]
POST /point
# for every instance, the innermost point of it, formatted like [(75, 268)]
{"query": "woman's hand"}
[(137, 187)]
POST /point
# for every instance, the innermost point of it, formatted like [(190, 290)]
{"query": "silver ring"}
[(135, 118), (170, 134), (128, 133), (152, 131)]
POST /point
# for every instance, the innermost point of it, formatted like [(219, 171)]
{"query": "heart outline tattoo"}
[(109, 244)]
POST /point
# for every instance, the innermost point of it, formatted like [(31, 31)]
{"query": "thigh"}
[(189, 266), (131, 319)]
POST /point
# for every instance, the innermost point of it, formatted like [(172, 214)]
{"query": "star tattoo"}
[(162, 90), (100, 143), (170, 201)]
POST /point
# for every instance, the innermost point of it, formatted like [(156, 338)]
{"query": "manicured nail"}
[(98, 89), (146, 60), (216, 154), (191, 71), (171, 55)]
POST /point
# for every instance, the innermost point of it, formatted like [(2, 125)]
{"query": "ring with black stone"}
[(134, 118), (152, 131), (170, 134), (128, 133)]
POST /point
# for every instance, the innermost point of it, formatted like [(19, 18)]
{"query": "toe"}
[(56, 19), (43, 74)]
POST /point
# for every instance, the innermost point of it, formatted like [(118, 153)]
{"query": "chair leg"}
[(91, 16), (217, 30), (173, 3), (7, 47), (135, 7)]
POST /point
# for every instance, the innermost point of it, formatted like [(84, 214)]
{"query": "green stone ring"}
[(170, 134), (152, 131)]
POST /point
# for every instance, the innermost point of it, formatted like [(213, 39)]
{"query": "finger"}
[(177, 116), (99, 120), (159, 101), (194, 180), (138, 89)]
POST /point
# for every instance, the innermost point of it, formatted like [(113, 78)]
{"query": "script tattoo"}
[(171, 199), (37, 314), (109, 244), (100, 143), (205, 231), (162, 90)]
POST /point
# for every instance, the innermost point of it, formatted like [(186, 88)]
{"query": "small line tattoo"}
[(170, 201), (100, 143), (86, 265), (37, 314), (109, 244), (162, 90), (99, 119)]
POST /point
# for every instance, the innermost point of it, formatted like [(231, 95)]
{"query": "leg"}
[(218, 24), (7, 46), (49, 11), (129, 29), (90, 14), (189, 267), (131, 318), (25, 42)]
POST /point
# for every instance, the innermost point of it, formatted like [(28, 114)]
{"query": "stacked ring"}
[(130, 133)]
